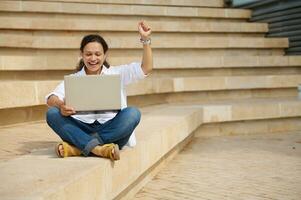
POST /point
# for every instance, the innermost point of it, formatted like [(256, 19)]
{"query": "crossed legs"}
[(96, 138)]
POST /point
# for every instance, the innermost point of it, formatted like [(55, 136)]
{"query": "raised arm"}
[(147, 58)]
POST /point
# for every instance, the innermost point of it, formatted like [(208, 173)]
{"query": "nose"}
[(93, 57)]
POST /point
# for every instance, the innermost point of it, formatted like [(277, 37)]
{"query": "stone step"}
[(39, 131), (18, 115), (196, 3), (68, 62), (67, 40), (95, 178), (162, 128), (251, 109), (37, 21), (32, 93), (214, 112), (110, 9), (250, 127), (217, 83), (61, 59)]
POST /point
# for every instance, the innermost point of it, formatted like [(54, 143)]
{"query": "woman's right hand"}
[(66, 110), (53, 100)]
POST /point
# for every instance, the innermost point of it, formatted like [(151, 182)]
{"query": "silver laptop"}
[(93, 92)]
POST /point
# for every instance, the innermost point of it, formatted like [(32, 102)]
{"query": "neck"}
[(93, 73)]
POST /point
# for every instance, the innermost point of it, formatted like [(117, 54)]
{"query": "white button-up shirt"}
[(128, 73)]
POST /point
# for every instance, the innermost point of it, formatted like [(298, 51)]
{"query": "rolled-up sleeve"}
[(59, 91), (131, 73)]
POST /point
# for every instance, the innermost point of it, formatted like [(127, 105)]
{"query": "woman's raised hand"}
[(144, 30)]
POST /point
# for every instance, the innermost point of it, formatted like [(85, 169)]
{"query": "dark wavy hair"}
[(92, 38)]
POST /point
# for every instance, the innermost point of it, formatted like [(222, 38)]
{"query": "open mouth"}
[(93, 64)]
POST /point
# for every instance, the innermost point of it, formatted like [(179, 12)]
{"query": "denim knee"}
[(134, 114), (52, 114)]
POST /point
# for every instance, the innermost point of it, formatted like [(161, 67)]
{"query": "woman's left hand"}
[(144, 30)]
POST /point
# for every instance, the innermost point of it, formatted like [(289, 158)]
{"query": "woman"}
[(101, 133)]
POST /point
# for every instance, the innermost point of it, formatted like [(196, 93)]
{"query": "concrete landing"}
[(41, 175), (257, 167)]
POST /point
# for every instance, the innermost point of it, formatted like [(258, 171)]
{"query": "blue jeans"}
[(86, 136)]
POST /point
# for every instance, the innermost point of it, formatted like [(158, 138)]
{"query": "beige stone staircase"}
[(214, 74)]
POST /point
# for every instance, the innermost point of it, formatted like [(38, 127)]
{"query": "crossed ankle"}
[(110, 151), (98, 150)]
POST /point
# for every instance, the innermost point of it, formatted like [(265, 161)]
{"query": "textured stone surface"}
[(44, 169), (17, 115), (25, 93), (70, 40), (17, 94), (105, 9), (260, 109), (68, 61), (30, 93), (206, 3), (36, 113), (203, 56), (265, 166), (22, 139), (90, 23), (249, 127)]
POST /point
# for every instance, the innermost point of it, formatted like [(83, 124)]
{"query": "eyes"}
[(98, 54)]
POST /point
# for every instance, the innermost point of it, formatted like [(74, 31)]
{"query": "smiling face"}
[(93, 56)]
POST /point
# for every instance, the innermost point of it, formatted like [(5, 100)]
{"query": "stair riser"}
[(226, 72), (190, 84), (129, 18), (54, 7), (205, 3), (134, 54), (103, 23), (29, 59), (31, 93), (22, 115), (158, 73), (42, 40), (250, 127), (33, 75), (209, 96)]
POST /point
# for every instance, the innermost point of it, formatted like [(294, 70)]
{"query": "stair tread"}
[(111, 9)]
